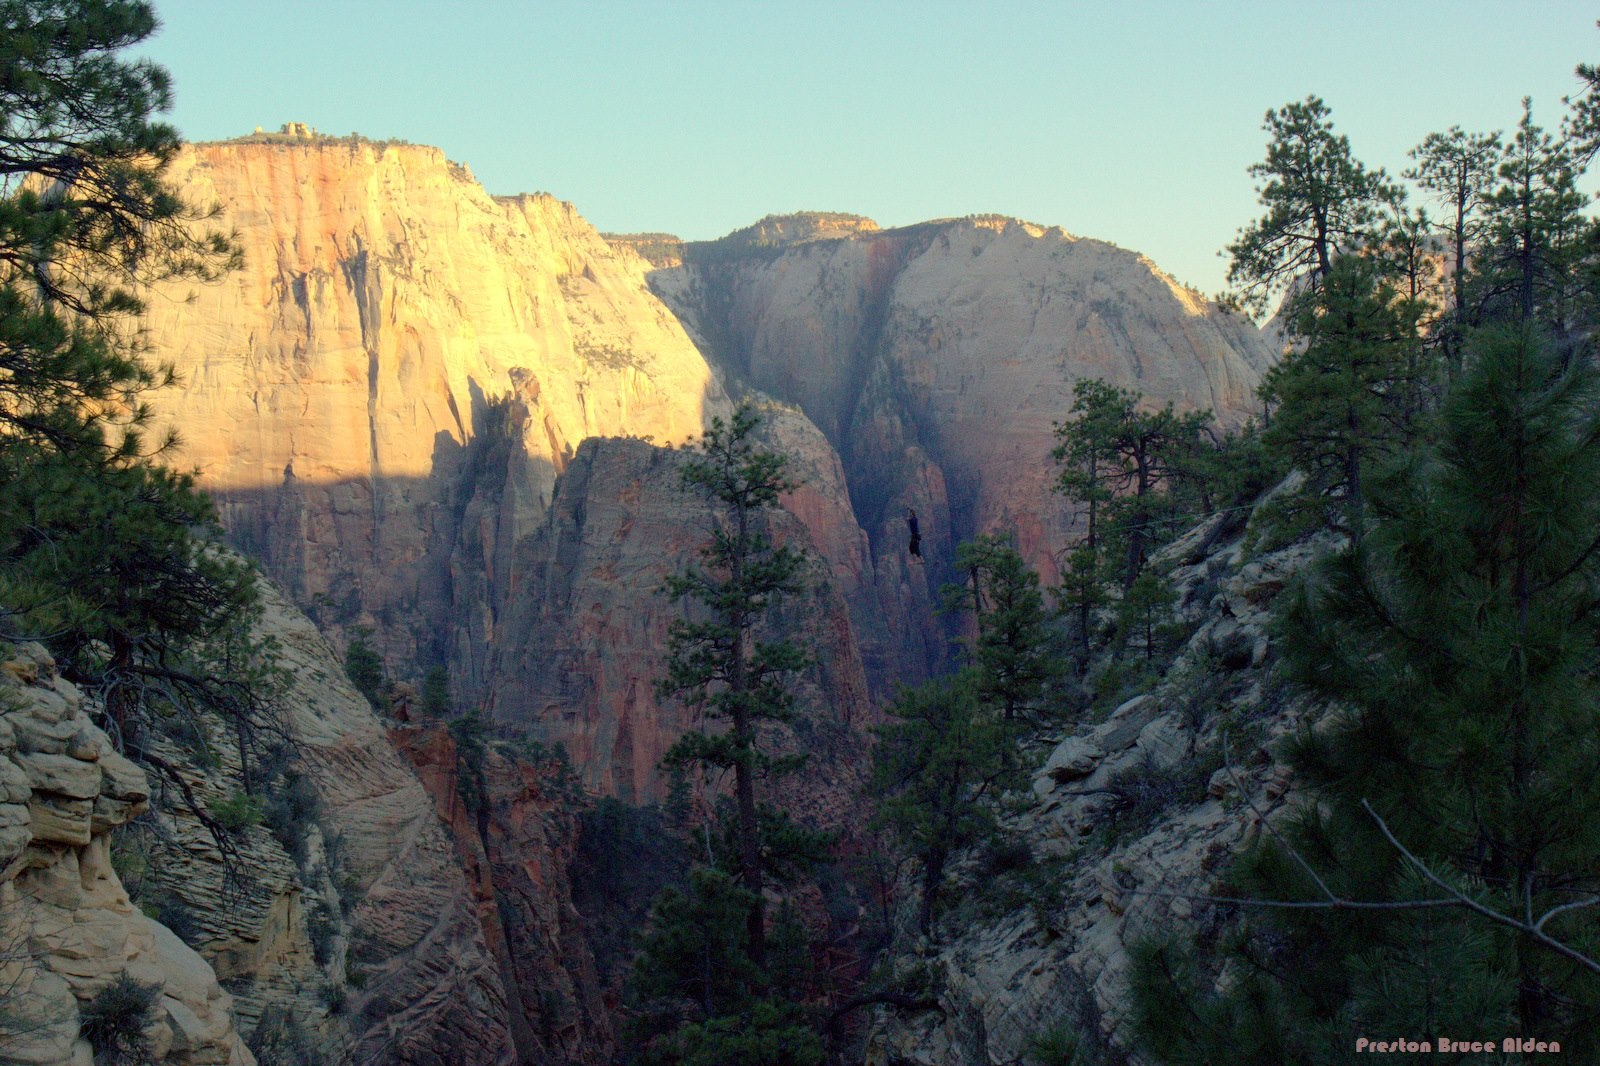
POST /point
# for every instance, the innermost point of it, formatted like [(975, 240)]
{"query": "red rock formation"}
[(585, 632), (517, 848)]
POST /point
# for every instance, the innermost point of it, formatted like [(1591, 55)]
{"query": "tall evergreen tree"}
[(1443, 871), (1457, 169), (1319, 200), (940, 765), (1534, 235), (722, 664), (1014, 654), (1350, 395), (713, 983)]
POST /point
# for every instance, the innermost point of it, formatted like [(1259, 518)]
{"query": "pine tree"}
[(1014, 656), (722, 664), (1534, 235), (1458, 169), (713, 984), (940, 765), (1459, 641), (1320, 202), (1122, 463), (1350, 396)]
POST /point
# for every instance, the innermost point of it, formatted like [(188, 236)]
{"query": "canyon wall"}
[(331, 387), (383, 397), (937, 358), (586, 636)]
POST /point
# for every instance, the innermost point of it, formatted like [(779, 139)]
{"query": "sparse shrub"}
[(1143, 792), (364, 667), (114, 1022), (1200, 688), (290, 810), (239, 812), (168, 908), (1006, 855), (320, 930), (436, 693), (1060, 1045), (280, 1040)]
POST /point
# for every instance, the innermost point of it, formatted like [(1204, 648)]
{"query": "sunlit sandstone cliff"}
[(331, 385), (384, 396)]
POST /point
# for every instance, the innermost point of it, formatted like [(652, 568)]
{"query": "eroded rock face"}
[(586, 638), (430, 989), (331, 387), (938, 357), (350, 919), (67, 927), (1067, 963), (516, 845)]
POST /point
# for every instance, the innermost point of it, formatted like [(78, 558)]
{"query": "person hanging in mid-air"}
[(915, 548)]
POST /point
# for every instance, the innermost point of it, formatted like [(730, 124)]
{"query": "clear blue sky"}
[(1132, 123)]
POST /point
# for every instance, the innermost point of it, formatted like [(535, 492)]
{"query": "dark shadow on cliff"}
[(425, 562), (883, 433)]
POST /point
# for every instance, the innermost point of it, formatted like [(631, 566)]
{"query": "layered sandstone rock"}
[(67, 927), (331, 387), (350, 919), (938, 357), (430, 990)]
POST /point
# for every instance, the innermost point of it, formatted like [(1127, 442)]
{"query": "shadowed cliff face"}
[(937, 358)]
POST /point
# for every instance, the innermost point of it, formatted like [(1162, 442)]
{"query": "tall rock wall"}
[(937, 358), (585, 641), (331, 386)]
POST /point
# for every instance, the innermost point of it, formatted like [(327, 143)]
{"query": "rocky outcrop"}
[(331, 387), (516, 840), (937, 358), (344, 915), (1142, 812), (67, 927), (586, 638)]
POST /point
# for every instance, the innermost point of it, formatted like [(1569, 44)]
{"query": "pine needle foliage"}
[(1458, 640), (718, 662)]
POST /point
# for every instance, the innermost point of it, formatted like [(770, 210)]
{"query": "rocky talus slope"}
[(67, 926), (938, 357), (1137, 809)]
